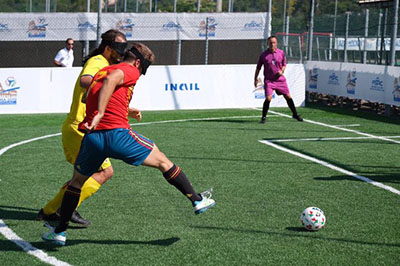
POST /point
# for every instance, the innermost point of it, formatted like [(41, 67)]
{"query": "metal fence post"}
[(346, 36), (287, 27), (394, 34), (365, 36), (310, 31), (393, 46), (206, 52), (86, 50), (98, 40)]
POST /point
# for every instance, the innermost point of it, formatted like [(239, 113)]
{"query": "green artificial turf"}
[(260, 191)]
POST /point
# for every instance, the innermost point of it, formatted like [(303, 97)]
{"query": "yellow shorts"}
[(71, 140)]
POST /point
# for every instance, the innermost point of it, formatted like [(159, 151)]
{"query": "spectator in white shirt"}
[(65, 57)]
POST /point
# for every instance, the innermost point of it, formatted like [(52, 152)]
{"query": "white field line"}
[(331, 166), (193, 119), (349, 125), (340, 128), (322, 139), (26, 246)]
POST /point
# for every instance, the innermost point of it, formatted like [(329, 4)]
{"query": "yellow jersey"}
[(78, 109)]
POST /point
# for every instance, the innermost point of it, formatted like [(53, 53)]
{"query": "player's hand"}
[(93, 125), (280, 72), (135, 113)]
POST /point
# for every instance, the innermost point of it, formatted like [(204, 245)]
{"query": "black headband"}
[(119, 47), (143, 62)]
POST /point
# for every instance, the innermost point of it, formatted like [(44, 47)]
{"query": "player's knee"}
[(109, 172), (269, 98), (163, 163)]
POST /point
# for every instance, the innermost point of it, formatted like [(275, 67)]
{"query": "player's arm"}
[(85, 82), (114, 79), (283, 65), (256, 76), (135, 113), (58, 59), (258, 68), (57, 63)]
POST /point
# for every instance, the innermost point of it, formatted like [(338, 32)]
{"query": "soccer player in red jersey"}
[(108, 134)]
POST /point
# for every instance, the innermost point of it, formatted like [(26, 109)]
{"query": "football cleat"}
[(53, 237), (50, 217), (78, 219), (205, 203), (263, 120), (298, 118)]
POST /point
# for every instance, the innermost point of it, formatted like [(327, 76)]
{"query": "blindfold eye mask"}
[(119, 47), (144, 63)]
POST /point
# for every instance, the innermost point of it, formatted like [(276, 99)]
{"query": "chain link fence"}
[(340, 33)]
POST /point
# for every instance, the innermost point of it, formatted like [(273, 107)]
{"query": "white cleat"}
[(53, 237), (205, 203)]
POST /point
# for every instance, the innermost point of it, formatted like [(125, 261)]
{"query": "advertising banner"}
[(357, 81), (136, 26), (372, 44), (49, 90)]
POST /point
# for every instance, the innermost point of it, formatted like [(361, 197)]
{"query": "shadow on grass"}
[(17, 213), (303, 233), (20, 245), (392, 178)]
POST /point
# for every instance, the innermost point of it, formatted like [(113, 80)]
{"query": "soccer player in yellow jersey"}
[(109, 52)]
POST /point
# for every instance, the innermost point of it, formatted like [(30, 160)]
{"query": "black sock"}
[(265, 108), (69, 204), (290, 103), (176, 177)]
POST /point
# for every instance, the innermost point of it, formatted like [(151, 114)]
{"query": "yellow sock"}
[(88, 189), (54, 204)]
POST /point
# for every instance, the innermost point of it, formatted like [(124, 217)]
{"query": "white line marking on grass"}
[(350, 125), (340, 128), (10, 235), (193, 119), (322, 139), (331, 166), (27, 247)]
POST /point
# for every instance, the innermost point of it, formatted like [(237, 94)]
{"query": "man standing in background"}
[(274, 62), (65, 57)]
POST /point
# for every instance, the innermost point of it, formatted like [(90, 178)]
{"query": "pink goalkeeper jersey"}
[(273, 63)]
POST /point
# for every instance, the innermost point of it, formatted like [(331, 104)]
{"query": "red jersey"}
[(116, 113)]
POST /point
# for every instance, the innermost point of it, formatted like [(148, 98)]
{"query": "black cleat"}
[(78, 219), (298, 118), (263, 120), (44, 217)]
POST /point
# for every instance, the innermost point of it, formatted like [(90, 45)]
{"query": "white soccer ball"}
[(313, 219)]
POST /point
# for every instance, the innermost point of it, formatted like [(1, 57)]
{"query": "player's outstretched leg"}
[(201, 202), (176, 177)]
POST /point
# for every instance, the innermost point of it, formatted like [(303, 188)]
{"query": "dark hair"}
[(140, 51), (143, 49), (272, 36), (106, 38), (69, 39)]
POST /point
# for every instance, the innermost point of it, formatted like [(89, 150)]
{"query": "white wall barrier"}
[(49, 90), (357, 81)]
